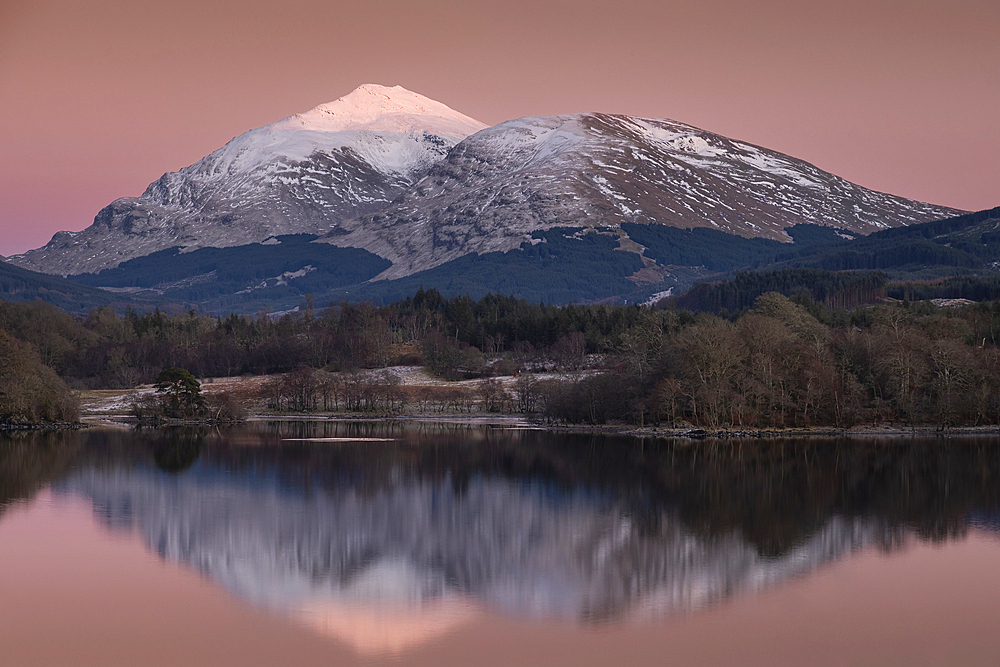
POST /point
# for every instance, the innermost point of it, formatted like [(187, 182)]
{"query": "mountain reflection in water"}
[(388, 544)]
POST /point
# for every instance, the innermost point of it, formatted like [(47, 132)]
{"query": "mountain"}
[(599, 171), (302, 174), (384, 191)]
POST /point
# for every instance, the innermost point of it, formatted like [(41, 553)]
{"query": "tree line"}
[(783, 362), (777, 365), (836, 289), (106, 350)]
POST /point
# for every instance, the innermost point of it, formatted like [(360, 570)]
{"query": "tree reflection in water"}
[(177, 451), (443, 519)]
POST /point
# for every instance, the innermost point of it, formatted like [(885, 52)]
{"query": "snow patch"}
[(651, 301), (680, 138), (292, 275), (772, 165)]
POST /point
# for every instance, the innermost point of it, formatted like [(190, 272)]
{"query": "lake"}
[(318, 543)]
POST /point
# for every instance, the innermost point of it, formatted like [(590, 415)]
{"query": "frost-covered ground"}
[(116, 402), (417, 376)]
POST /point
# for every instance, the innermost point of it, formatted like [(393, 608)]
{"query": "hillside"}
[(17, 284), (953, 258), (498, 187), (964, 244), (560, 265)]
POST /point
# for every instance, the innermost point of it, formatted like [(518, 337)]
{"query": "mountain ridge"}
[(422, 186), (498, 186)]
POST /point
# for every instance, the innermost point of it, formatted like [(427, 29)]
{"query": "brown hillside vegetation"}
[(30, 391)]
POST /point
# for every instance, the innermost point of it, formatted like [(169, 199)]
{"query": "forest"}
[(784, 361), (557, 265), (838, 289), (963, 245)]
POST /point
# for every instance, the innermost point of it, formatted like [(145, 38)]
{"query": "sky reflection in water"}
[(386, 545)]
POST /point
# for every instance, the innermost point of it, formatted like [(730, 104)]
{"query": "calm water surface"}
[(381, 543)]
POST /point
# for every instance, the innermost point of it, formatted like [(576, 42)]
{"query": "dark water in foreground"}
[(280, 543)]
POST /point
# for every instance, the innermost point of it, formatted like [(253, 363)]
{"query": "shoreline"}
[(44, 426), (522, 422)]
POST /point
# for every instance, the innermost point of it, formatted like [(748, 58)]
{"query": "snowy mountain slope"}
[(596, 170), (406, 178), (302, 174)]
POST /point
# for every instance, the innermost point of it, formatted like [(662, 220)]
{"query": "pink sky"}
[(100, 97)]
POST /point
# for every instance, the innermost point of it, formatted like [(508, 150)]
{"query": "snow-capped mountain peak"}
[(419, 184), (386, 126), (303, 174), (383, 109)]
